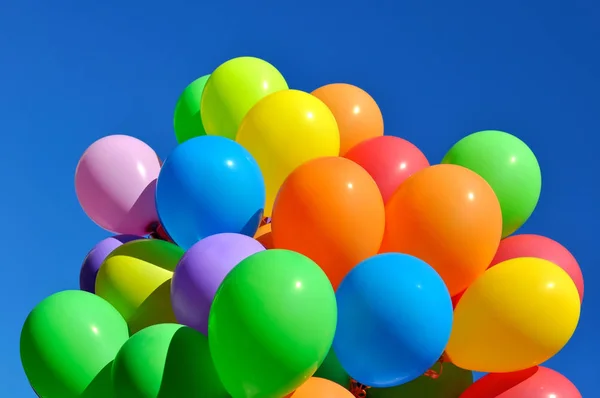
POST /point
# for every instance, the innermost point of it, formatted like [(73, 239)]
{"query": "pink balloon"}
[(540, 247), (115, 183), (536, 382)]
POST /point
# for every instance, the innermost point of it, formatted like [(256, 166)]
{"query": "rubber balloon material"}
[(264, 236), (310, 132), (166, 360), (356, 112), (509, 166), (330, 210), (209, 185), (389, 160), (271, 323), (115, 183), (187, 121), (321, 388), (394, 320), (200, 273), (233, 89), (331, 369), (68, 343), (448, 216), (517, 315)]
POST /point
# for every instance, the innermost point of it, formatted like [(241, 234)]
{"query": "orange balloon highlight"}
[(315, 387), (356, 112), (330, 210), (264, 236), (449, 217)]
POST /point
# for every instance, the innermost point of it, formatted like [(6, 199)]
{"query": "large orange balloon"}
[(356, 112), (316, 387), (449, 217), (330, 210)]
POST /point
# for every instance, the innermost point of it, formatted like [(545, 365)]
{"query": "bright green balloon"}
[(271, 324), (186, 120), (451, 383), (166, 361), (509, 166), (331, 369), (232, 89), (68, 343)]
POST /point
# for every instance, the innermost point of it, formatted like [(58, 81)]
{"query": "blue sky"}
[(72, 72)]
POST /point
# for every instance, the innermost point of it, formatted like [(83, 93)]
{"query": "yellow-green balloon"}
[(68, 343), (187, 122), (233, 89)]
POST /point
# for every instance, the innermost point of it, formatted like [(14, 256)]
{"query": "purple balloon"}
[(200, 273), (95, 258)]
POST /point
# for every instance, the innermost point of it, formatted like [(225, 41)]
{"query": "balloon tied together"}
[(358, 390), (436, 374), (158, 232)]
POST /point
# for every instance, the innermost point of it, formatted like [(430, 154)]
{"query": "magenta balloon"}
[(200, 273), (115, 182)]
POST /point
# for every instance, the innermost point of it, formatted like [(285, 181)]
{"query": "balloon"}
[(67, 341), (389, 160), (232, 89), (509, 166), (92, 262), (209, 185), (115, 182), (316, 387), (356, 112), (394, 320), (166, 360), (136, 279), (540, 247), (200, 273), (264, 236), (331, 369), (271, 324), (449, 217), (518, 314), (450, 383), (330, 210), (285, 130), (536, 382), (186, 120)]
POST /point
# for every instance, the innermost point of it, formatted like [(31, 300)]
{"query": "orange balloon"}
[(449, 217), (356, 112), (330, 210), (264, 236), (315, 387)]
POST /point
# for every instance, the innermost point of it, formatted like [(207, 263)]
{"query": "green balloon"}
[(509, 166), (166, 361), (451, 383), (187, 121), (68, 343), (331, 369), (271, 324)]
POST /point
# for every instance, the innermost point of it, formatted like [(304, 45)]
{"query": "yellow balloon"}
[(232, 89), (283, 131), (517, 315), (136, 279)]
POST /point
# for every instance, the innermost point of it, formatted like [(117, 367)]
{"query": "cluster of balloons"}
[(288, 248)]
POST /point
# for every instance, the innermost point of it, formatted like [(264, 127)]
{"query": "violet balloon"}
[(95, 258), (200, 273)]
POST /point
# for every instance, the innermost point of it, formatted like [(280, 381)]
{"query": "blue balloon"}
[(209, 185), (394, 320)]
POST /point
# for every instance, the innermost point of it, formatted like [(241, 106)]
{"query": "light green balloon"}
[(166, 361), (271, 324), (233, 89), (186, 120), (68, 343), (509, 166)]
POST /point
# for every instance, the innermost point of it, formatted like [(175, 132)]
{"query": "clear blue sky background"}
[(74, 71)]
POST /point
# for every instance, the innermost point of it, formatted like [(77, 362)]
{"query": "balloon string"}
[(432, 373), (358, 390)]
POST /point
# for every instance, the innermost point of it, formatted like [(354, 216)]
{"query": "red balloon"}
[(389, 160), (536, 382), (456, 298), (540, 247)]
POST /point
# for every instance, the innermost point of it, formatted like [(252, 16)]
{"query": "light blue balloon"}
[(209, 185), (394, 320)]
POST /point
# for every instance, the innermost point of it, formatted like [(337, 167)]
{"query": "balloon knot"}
[(358, 390), (436, 374), (265, 221), (158, 232)]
